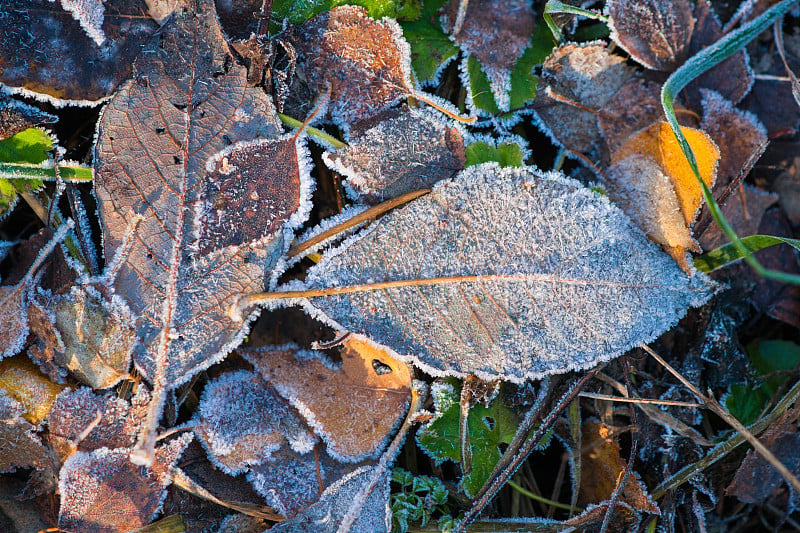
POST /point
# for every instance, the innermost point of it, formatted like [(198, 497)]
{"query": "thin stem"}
[(314, 132), (541, 499)]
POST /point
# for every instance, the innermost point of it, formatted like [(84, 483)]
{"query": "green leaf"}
[(724, 255), (507, 154), (30, 146), (299, 11), (523, 81), (431, 48), (746, 402), (488, 427)]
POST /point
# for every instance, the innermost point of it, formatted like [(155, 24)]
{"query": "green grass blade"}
[(727, 254), (29, 171)]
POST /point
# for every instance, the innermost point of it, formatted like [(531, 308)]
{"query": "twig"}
[(646, 401)]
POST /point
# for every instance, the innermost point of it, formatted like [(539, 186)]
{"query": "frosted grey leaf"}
[(243, 421), (45, 52), (20, 448), (104, 492), (89, 14), (587, 75), (656, 33), (496, 33), (402, 150), (505, 272), (326, 515), (158, 156)]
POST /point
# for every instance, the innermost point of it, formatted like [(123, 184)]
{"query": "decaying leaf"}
[(20, 448), (17, 116), (354, 408), (327, 515), (344, 44), (102, 491), (743, 210), (46, 52), (242, 421), (634, 107), (496, 33), (602, 468), (23, 382), (89, 14), (504, 272), (405, 150), (85, 333), (656, 33), (576, 81)]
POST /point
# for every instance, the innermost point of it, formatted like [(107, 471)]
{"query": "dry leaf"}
[(354, 408), (17, 116), (23, 382), (102, 491), (496, 33), (21, 447), (576, 81), (602, 467), (504, 272), (656, 33), (89, 14), (364, 62), (401, 151), (634, 107), (242, 421), (743, 210)]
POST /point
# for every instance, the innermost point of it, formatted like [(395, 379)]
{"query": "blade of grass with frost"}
[(47, 171), (693, 68), (554, 6)]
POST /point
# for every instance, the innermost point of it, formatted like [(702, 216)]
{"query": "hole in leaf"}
[(381, 368), (179, 107), (161, 131), (177, 160)]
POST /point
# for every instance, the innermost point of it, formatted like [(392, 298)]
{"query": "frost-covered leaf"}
[(504, 272), (242, 421), (161, 155), (586, 75), (299, 12), (496, 33), (89, 13), (326, 515), (488, 429), (85, 421), (102, 491), (507, 152), (364, 62), (23, 382), (656, 33), (353, 408), (431, 48), (44, 51), (20, 448), (17, 116), (85, 333), (404, 150), (634, 107)]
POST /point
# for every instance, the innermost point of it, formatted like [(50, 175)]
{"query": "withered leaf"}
[(158, 157), (496, 33), (242, 421), (44, 51), (353, 408), (17, 116), (635, 106), (102, 491), (656, 33), (743, 210), (364, 62), (89, 14), (504, 272), (327, 515), (21, 448), (404, 150), (576, 76), (23, 382)]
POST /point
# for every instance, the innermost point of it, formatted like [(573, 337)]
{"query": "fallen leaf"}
[(405, 150), (656, 33), (602, 468), (17, 116), (504, 272), (102, 491), (353, 408), (743, 210), (634, 107), (365, 63), (21, 447), (242, 421), (89, 14), (496, 33), (22, 381), (45, 53), (576, 82)]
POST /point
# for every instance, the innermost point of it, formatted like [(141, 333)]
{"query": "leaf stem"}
[(35, 171), (314, 132)]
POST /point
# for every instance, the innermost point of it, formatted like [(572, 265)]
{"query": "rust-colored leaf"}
[(22, 381), (20, 448)]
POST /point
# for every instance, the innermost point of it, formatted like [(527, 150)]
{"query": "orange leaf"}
[(21, 380)]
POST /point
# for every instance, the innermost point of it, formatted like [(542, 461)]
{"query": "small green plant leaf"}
[(431, 48), (507, 153), (299, 12), (488, 428)]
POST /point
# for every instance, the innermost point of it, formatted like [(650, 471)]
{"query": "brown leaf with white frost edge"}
[(353, 408), (365, 62), (405, 150), (496, 33), (102, 491), (242, 421), (505, 273), (21, 447)]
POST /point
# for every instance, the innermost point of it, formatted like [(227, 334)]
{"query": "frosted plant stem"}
[(713, 405), (418, 394)]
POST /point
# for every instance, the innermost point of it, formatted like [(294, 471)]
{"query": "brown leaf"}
[(242, 421), (496, 33), (14, 317), (576, 81), (655, 33), (17, 116), (22, 381), (43, 49), (102, 491), (744, 209), (354, 408), (365, 62), (20, 448), (635, 106), (602, 468), (401, 151)]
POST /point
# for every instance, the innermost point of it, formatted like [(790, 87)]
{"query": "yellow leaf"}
[(21, 380)]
